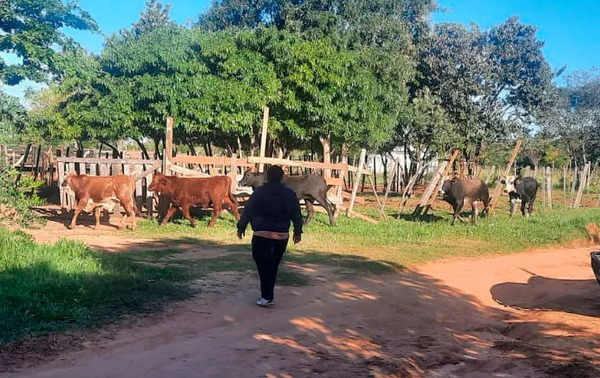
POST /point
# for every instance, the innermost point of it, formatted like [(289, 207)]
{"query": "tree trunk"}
[(140, 144), (326, 143)]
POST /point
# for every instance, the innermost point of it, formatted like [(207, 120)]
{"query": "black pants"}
[(267, 254)]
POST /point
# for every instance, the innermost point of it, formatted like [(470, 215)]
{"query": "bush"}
[(16, 198)]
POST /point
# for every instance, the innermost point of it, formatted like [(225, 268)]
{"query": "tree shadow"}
[(581, 297)]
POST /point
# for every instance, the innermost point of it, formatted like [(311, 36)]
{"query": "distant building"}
[(375, 161)]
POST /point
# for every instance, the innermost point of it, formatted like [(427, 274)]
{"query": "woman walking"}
[(270, 210)]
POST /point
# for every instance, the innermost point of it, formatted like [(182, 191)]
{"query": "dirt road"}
[(524, 315)]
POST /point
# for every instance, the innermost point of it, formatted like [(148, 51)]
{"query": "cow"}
[(100, 193), (184, 192), (310, 188), (521, 189), (459, 192)]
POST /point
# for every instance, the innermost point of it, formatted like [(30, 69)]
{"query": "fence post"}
[(233, 173), (263, 137), (498, 188), (361, 164), (582, 185), (168, 154), (549, 186)]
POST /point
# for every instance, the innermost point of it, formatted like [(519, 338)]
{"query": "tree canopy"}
[(31, 30)]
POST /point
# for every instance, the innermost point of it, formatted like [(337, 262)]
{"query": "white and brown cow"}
[(97, 193)]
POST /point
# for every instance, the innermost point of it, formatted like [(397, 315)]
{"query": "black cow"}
[(523, 189), (310, 188), (459, 192)]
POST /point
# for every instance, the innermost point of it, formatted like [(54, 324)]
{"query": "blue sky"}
[(570, 29)]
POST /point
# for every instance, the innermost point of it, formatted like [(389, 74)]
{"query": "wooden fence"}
[(142, 170)]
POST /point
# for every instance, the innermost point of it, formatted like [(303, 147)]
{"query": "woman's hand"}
[(297, 238), (241, 234)]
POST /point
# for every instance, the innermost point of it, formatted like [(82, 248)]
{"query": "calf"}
[(523, 189), (185, 192), (458, 192), (101, 193), (310, 188)]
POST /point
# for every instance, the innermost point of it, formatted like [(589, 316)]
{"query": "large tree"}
[(492, 83), (31, 30)]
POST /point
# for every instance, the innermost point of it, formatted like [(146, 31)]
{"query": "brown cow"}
[(99, 193), (459, 192), (185, 192)]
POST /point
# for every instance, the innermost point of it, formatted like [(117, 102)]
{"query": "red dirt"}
[(529, 315)]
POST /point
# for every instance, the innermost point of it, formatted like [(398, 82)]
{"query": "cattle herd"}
[(99, 193)]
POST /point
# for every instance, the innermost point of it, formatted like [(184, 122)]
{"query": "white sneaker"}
[(262, 302)]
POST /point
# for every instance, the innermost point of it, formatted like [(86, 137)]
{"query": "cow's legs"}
[(322, 200), (523, 204), (97, 214), (130, 209), (475, 208), (80, 206), (186, 213), (512, 207), (169, 214), (457, 209), (310, 210), (233, 206), (217, 208), (530, 206)]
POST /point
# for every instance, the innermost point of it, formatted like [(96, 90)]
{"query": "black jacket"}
[(271, 208)]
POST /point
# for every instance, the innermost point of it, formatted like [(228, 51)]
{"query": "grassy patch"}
[(47, 288), (393, 243)]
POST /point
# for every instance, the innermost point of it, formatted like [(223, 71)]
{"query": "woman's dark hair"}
[(274, 174)]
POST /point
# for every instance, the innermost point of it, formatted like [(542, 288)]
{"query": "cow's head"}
[(253, 179), (448, 182), (509, 184), (159, 183), (66, 183)]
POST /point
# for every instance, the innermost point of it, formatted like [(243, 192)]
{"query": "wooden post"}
[(582, 185), (498, 188), (439, 185), (168, 154), (489, 176), (439, 175), (573, 182), (549, 186), (233, 173), (263, 137), (565, 184), (387, 190), (361, 164)]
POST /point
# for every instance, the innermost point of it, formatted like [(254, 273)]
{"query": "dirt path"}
[(527, 315)]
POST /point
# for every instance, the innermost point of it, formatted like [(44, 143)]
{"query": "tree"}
[(31, 30), (13, 118), (492, 84)]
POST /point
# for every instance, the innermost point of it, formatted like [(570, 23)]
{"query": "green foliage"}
[(492, 83), (31, 30), (13, 119), (16, 199)]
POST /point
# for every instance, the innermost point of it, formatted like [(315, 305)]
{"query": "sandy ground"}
[(532, 314)]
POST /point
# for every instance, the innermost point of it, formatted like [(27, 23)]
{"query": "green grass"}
[(47, 288), (394, 243)]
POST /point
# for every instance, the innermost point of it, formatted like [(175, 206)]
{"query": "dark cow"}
[(521, 189), (459, 192), (310, 188), (185, 192), (101, 193)]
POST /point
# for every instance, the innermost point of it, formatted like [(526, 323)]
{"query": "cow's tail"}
[(230, 193), (138, 212)]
